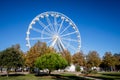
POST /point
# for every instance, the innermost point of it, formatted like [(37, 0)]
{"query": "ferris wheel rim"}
[(50, 13)]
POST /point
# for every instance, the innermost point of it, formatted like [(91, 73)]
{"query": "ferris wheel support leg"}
[(61, 44), (53, 43)]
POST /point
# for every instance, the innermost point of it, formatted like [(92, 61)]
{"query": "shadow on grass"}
[(100, 77), (111, 74), (13, 75), (106, 76), (61, 77)]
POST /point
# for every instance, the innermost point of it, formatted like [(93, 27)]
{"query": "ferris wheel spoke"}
[(39, 38), (49, 41), (44, 26), (65, 29), (68, 34), (66, 44), (38, 30), (60, 45), (69, 39), (55, 23), (71, 46), (49, 23), (61, 25), (53, 43)]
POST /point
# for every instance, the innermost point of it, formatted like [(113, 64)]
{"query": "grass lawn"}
[(63, 76), (45, 77), (107, 75)]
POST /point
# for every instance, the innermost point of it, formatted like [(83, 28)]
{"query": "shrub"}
[(77, 68)]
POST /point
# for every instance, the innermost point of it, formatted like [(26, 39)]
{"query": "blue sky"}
[(97, 20)]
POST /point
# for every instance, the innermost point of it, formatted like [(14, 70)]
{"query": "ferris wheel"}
[(56, 29)]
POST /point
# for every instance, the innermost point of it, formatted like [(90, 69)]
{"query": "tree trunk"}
[(22, 69), (15, 71), (1, 69), (38, 71), (111, 68), (31, 70), (49, 72), (7, 72)]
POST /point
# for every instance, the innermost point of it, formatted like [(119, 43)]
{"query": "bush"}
[(77, 68), (89, 72), (92, 71)]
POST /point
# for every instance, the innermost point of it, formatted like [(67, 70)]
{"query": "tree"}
[(117, 57), (0, 61), (78, 59), (109, 61), (22, 54), (11, 58), (93, 59), (51, 61), (36, 51), (66, 54), (17, 46)]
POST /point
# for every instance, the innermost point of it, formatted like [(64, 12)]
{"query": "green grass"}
[(62, 76), (107, 75), (45, 77), (19, 77)]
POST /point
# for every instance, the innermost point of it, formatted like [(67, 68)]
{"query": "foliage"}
[(51, 61), (66, 54), (77, 68), (92, 71), (11, 58), (117, 57), (78, 59), (93, 59), (109, 60), (17, 47), (36, 51)]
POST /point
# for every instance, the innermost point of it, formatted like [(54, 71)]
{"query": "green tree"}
[(77, 68), (11, 58), (117, 57), (0, 61), (93, 59), (17, 47), (78, 59), (109, 61), (51, 61)]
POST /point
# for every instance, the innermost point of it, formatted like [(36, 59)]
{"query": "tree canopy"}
[(117, 57), (93, 59), (51, 61), (78, 59), (11, 58), (36, 51), (109, 60)]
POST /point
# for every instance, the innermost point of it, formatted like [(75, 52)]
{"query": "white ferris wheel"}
[(56, 29)]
